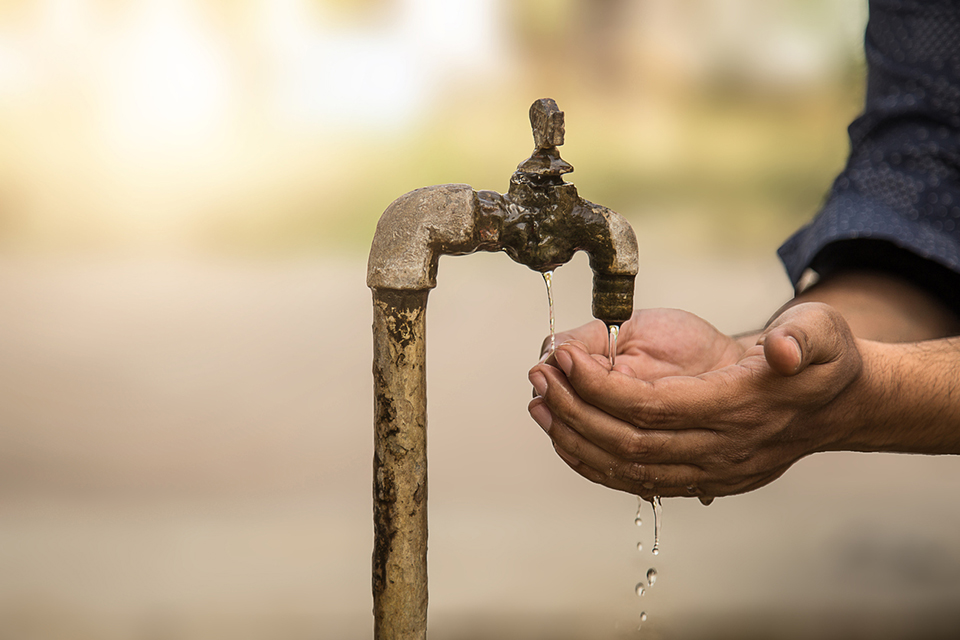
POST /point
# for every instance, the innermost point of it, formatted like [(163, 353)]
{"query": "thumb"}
[(809, 333)]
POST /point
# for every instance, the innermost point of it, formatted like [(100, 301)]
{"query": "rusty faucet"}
[(540, 222)]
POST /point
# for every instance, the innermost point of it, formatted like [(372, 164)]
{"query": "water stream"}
[(614, 331), (548, 279)]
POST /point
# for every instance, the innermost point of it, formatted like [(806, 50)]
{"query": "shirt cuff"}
[(851, 216)]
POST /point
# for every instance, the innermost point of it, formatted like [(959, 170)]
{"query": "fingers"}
[(614, 471), (804, 335), (622, 395), (641, 478), (593, 335), (599, 438), (644, 461)]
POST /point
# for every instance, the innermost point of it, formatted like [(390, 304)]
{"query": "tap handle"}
[(546, 119)]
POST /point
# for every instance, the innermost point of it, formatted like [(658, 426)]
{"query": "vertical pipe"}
[(400, 465)]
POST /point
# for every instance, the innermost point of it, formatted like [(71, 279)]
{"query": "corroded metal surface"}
[(400, 465)]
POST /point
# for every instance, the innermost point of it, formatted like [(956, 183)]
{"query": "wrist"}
[(904, 401), (857, 412)]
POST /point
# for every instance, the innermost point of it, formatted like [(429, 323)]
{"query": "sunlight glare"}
[(168, 83)]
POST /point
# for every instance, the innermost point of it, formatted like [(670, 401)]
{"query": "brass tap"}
[(540, 222)]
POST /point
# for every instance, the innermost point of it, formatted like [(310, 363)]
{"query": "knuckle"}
[(592, 475), (632, 446), (631, 472), (648, 413), (564, 407), (737, 456)]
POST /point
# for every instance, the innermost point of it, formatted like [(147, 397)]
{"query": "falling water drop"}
[(657, 519), (643, 616), (638, 520), (651, 577), (640, 588), (612, 345), (639, 546), (548, 279)]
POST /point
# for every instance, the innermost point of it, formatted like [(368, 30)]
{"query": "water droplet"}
[(548, 279), (657, 519), (640, 588), (651, 577), (706, 500), (638, 521), (639, 546), (643, 616), (612, 345)]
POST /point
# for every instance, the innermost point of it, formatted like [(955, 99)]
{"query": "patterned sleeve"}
[(896, 205)]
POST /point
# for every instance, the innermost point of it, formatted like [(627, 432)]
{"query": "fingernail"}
[(799, 352), (564, 360), (541, 415), (539, 383)]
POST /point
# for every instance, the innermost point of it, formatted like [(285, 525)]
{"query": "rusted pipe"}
[(400, 465)]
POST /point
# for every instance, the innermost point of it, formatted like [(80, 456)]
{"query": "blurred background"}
[(188, 189)]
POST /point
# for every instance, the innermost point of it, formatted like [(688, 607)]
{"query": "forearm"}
[(907, 400), (877, 306), (883, 307)]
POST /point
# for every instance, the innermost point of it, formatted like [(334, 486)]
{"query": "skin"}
[(861, 362)]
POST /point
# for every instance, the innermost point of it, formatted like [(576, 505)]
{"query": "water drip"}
[(657, 519), (651, 577)]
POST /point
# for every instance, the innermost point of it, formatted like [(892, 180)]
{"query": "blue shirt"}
[(896, 205)]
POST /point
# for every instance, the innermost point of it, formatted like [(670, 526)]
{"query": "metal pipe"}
[(540, 222), (400, 464)]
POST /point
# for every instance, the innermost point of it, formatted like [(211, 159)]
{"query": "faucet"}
[(540, 222)]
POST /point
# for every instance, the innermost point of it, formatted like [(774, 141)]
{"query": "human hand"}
[(727, 430), (656, 343)]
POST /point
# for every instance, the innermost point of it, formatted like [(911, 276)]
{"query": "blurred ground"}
[(186, 453)]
